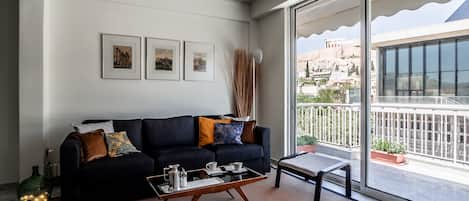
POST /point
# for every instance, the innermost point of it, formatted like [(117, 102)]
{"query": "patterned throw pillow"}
[(118, 144), (228, 133)]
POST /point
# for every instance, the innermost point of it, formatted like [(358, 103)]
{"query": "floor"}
[(8, 192), (417, 180), (291, 189)]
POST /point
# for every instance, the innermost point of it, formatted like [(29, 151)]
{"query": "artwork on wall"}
[(199, 61), (121, 57), (163, 59)]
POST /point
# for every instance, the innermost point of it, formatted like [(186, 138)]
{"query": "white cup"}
[(211, 166), (237, 166)]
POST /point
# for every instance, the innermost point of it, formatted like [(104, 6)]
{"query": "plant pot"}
[(387, 157), (306, 148)]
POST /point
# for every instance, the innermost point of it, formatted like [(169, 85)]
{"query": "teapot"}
[(171, 174)]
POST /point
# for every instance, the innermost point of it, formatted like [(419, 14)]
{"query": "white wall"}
[(9, 91), (73, 89), (271, 79)]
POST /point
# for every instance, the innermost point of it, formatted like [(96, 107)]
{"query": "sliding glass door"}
[(384, 84), (328, 81), (420, 116)]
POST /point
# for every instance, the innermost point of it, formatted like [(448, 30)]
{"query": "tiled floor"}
[(292, 189), (416, 180), (8, 192)]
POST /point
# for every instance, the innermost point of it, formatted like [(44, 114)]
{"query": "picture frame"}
[(163, 58), (199, 61), (121, 57)]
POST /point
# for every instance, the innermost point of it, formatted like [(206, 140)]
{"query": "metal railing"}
[(428, 130)]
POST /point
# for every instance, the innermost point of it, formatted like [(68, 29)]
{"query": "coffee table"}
[(224, 182)]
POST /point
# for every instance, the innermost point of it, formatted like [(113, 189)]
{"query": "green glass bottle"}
[(33, 185)]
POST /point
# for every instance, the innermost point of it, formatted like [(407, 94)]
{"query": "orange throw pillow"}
[(93, 145), (207, 130)]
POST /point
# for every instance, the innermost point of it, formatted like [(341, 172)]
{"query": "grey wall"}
[(9, 91), (31, 133), (271, 79)]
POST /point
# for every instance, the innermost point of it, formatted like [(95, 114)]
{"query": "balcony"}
[(434, 135)]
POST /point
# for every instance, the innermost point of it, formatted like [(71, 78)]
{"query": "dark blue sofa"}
[(162, 142)]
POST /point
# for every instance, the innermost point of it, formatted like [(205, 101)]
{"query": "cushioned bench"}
[(314, 166)]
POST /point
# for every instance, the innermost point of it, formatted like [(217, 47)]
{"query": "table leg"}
[(317, 192), (241, 193), (277, 177), (348, 181), (196, 197), (229, 193)]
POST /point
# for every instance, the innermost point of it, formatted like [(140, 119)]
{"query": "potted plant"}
[(306, 143), (389, 152)]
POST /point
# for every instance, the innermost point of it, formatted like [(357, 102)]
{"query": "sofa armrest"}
[(70, 156), (263, 139), (70, 159)]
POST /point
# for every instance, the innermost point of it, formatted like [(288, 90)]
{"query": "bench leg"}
[(348, 181), (317, 192), (277, 177)]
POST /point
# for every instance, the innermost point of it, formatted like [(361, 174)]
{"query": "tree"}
[(307, 69)]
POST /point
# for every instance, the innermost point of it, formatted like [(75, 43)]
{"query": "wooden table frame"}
[(317, 178), (196, 193)]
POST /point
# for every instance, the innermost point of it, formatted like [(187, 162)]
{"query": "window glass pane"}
[(448, 84), (403, 83), (416, 93), (403, 93), (403, 61), (431, 56), (463, 54), (417, 59), (389, 85), (431, 84), (390, 61), (448, 56), (463, 84), (416, 81)]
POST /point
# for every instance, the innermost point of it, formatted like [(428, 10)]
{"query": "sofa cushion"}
[(227, 153), (189, 157), (175, 131), (124, 167), (132, 127)]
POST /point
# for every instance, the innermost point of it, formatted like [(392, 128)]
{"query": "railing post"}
[(350, 128), (455, 139)]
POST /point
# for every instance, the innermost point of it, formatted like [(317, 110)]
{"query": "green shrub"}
[(389, 147), (306, 140)]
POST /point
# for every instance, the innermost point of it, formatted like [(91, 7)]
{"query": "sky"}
[(431, 13)]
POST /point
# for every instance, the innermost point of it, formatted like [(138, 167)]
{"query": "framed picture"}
[(163, 59), (199, 61), (121, 57)]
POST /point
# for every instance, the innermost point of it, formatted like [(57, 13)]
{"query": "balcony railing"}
[(429, 130)]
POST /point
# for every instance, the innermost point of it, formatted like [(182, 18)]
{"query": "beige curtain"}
[(243, 83)]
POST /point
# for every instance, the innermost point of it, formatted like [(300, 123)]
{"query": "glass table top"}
[(199, 174)]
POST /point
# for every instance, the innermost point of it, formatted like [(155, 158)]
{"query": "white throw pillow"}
[(246, 118), (107, 126)]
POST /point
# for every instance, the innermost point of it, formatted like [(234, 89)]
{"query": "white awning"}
[(325, 15)]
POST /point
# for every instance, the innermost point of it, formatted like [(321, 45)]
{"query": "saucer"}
[(214, 172)]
